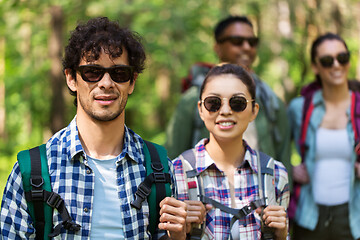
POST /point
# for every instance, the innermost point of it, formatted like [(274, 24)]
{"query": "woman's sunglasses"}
[(94, 73), (239, 41), (328, 61), (237, 103)]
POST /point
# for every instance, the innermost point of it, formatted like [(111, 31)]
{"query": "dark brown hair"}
[(235, 70)]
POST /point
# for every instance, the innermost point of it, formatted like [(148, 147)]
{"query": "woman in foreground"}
[(228, 166)]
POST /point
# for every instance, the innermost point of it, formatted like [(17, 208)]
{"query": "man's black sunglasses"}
[(328, 61), (239, 41), (94, 73), (237, 103)]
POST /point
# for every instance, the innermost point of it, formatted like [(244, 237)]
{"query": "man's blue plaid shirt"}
[(72, 178)]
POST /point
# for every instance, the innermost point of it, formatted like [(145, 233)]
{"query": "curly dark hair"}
[(88, 40)]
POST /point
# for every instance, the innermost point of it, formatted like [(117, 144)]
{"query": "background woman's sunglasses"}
[(328, 61), (94, 73), (239, 41), (237, 103)]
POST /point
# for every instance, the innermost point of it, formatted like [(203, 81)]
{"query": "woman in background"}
[(328, 204)]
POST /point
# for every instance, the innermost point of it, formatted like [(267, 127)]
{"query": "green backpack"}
[(41, 200)]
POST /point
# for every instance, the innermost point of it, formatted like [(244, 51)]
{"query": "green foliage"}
[(6, 163), (176, 34)]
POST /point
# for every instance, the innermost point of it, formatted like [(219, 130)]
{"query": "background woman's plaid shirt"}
[(72, 178), (246, 188)]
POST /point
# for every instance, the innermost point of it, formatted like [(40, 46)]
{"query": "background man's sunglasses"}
[(237, 103), (328, 61), (94, 73), (239, 41)]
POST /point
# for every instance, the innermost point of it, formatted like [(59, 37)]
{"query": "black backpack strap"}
[(156, 185), (37, 189), (160, 176), (157, 176), (243, 212), (36, 194), (237, 213), (54, 200)]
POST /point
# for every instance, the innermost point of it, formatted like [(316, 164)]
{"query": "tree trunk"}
[(162, 85), (57, 112)]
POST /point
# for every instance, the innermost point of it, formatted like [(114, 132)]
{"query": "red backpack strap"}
[(355, 120), (308, 108), (197, 69)]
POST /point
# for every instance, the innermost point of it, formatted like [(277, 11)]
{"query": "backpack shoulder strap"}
[(355, 119), (194, 182), (196, 75), (188, 160), (34, 170), (266, 169), (307, 110), (194, 187), (156, 185), (37, 186)]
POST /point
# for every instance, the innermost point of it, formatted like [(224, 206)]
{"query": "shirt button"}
[(88, 171), (86, 209)]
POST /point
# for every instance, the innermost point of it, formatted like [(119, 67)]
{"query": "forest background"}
[(34, 99)]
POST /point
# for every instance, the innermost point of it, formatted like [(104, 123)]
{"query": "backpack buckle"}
[(141, 193), (71, 226), (54, 200), (157, 166), (36, 181), (258, 203), (37, 195), (159, 177), (245, 210), (196, 233)]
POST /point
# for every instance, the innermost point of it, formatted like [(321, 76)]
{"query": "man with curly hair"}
[(96, 162)]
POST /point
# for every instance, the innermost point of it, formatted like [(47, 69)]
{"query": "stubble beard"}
[(106, 115)]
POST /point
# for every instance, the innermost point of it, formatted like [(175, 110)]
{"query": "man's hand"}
[(196, 213), (300, 174), (173, 217), (275, 217)]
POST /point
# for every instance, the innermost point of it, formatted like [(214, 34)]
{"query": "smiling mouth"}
[(105, 98), (244, 57), (337, 74), (226, 124)]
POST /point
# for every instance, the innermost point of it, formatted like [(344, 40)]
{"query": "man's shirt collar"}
[(74, 147)]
